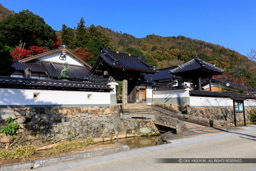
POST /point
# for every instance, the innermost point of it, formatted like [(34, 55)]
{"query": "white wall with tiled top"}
[(10, 96), (210, 101)]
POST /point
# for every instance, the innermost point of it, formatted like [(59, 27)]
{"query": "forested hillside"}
[(85, 42), (170, 51)]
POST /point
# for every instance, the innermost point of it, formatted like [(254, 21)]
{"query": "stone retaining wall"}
[(213, 113), (221, 113), (53, 124)]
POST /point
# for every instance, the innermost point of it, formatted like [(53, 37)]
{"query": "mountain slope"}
[(4, 12), (169, 51)]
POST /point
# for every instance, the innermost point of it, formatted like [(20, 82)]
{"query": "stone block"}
[(5, 113), (20, 113), (6, 139), (21, 120)]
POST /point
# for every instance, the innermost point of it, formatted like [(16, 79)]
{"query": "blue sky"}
[(229, 23)]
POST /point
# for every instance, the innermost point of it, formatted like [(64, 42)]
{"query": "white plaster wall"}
[(55, 58), (52, 97), (170, 94), (250, 102), (113, 86), (210, 101), (149, 95), (149, 92)]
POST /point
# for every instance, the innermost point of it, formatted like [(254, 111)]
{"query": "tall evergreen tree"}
[(93, 32), (67, 36), (81, 34)]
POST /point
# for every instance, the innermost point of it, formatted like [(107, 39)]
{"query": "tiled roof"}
[(54, 70), (74, 72), (196, 64), (164, 74), (125, 61), (217, 94), (231, 84), (10, 82), (35, 67)]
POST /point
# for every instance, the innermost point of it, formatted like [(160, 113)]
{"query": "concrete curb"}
[(18, 166), (55, 160)]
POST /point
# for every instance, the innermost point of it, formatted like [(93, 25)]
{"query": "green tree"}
[(93, 47), (81, 34), (5, 60), (133, 51), (93, 32), (67, 36), (26, 28)]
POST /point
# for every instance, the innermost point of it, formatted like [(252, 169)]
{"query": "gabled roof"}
[(121, 60), (60, 49), (54, 69), (197, 64)]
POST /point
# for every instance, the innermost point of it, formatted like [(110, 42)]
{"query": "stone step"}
[(140, 110)]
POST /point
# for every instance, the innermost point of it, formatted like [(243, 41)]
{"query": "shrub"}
[(11, 128), (9, 120), (253, 116)]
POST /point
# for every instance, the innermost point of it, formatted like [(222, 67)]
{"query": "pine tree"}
[(67, 36), (81, 34)]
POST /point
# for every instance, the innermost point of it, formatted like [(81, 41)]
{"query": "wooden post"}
[(124, 94), (244, 114), (199, 83), (210, 83), (234, 108)]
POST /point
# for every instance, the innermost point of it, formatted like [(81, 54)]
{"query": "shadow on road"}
[(251, 137)]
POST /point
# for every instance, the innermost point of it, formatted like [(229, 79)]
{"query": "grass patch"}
[(25, 152), (21, 152), (69, 145)]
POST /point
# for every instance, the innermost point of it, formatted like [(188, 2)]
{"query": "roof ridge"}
[(113, 58)]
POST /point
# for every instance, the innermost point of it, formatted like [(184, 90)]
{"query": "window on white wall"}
[(36, 95), (89, 96)]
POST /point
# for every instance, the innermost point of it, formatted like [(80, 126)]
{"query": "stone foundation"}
[(53, 124), (221, 113), (212, 113)]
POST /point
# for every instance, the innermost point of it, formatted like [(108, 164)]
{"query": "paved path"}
[(238, 144)]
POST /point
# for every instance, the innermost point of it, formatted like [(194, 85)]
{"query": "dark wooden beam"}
[(234, 108), (244, 114)]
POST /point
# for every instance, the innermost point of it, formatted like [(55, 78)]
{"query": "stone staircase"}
[(139, 111)]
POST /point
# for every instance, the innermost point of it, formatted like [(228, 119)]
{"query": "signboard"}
[(239, 106)]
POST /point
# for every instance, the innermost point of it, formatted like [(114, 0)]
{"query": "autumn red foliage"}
[(21, 53), (83, 54), (56, 42)]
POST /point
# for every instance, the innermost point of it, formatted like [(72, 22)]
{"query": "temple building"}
[(123, 66), (56, 77), (195, 70)]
